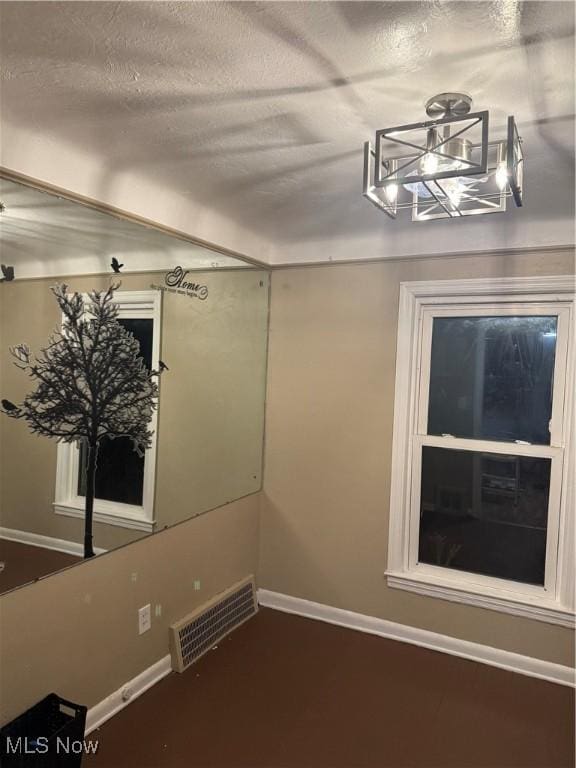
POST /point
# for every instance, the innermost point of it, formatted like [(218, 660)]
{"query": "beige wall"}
[(76, 632), (211, 412), (324, 524), (324, 514)]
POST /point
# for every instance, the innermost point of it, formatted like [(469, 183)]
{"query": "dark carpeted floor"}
[(288, 692), (23, 563)]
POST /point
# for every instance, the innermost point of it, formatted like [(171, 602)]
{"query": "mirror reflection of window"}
[(120, 470)]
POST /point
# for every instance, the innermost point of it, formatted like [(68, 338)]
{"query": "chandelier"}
[(446, 167)]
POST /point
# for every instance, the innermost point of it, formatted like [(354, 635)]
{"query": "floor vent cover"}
[(195, 634)]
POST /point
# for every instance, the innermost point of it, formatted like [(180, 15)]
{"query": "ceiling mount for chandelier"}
[(452, 169)]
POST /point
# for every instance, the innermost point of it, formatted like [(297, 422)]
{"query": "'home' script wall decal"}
[(176, 283)]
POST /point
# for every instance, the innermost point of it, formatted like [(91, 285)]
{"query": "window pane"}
[(142, 332), (484, 513), (120, 471), (491, 377)]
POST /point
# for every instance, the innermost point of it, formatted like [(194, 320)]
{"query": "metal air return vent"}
[(195, 634)]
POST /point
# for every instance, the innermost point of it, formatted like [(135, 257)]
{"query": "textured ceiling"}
[(260, 110)]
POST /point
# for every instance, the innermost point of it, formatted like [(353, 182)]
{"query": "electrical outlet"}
[(144, 619)]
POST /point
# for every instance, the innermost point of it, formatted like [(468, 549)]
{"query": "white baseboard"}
[(112, 704), (485, 654), (46, 542)]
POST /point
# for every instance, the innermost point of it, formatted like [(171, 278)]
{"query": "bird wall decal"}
[(7, 273)]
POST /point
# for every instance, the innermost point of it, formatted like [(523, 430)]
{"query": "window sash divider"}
[(489, 446)]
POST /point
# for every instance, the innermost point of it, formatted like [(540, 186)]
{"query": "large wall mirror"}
[(203, 313)]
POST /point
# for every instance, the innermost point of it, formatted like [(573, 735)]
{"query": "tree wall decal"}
[(92, 384)]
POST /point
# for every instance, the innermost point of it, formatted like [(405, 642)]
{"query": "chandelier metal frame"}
[(467, 175)]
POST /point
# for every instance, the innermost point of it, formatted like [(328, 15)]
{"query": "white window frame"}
[(131, 305), (420, 302)]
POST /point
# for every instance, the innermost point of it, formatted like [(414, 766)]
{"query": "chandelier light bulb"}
[(455, 197), (453, 188), (502, 176), (391, 192), (430, 163)]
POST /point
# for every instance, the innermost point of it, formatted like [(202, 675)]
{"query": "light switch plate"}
[(144, 619)]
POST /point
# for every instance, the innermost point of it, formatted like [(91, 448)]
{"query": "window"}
[(481, 507), (124, 480)]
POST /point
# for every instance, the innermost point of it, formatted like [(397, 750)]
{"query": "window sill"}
[(113, 515), (518, 605)]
